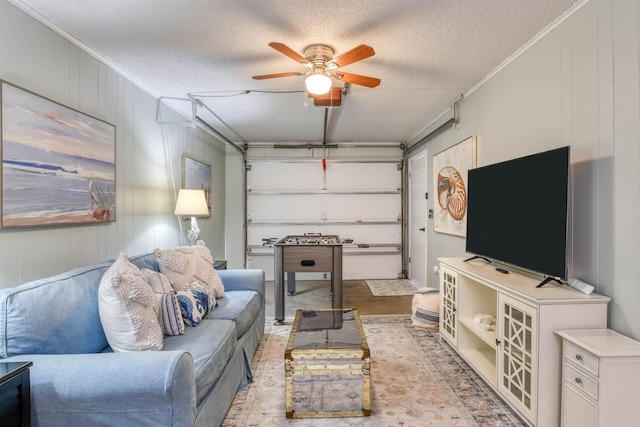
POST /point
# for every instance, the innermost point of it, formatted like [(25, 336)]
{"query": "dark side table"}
[(220, 264), (15, 394)]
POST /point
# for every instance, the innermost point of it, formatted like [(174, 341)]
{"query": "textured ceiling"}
[(428, 52)]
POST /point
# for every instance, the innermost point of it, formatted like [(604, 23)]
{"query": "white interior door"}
[(417, 235)]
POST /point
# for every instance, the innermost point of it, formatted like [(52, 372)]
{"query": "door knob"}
[(421, 229)]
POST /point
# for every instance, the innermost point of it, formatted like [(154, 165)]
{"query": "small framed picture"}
[(196, 175)]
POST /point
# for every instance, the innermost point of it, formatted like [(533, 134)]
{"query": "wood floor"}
[(355, 294)]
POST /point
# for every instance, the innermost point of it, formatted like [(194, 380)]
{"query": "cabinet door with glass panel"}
[(517, 352), (449, 304)]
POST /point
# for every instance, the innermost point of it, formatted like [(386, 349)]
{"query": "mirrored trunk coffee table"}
[(327, 365)]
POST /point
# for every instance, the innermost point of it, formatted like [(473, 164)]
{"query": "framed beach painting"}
[(450, 181), (196, 175), (58, 164)]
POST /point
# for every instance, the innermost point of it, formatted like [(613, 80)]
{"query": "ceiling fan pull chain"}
[(324, 169)]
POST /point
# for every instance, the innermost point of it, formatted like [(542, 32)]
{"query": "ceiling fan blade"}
[(286, 50), (273, 76), (357, 79), (356, 54)]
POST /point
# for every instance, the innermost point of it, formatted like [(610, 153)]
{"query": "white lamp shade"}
[(191, 203), (318, 84)]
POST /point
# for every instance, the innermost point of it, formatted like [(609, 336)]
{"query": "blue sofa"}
[(77, 380)]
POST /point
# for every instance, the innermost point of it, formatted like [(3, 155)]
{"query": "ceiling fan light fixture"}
[(322, 66), (318, 83)]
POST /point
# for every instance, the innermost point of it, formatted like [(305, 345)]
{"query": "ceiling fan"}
[(323, 66)]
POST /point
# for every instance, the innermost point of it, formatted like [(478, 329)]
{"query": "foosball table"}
[(306, 254)]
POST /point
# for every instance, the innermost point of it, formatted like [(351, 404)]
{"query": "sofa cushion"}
[(147, 260), (126, 306), (33, 313), (241, 307), (188, 264), (211, 345)]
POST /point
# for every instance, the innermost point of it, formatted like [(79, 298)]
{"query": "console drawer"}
[(580, 380), (581, 357)]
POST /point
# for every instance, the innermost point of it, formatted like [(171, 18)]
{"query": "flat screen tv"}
[(517, 212)]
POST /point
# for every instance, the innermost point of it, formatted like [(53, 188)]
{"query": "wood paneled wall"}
[(148, 157), (577, 85)]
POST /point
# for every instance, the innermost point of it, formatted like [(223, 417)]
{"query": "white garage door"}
[(358, 200)]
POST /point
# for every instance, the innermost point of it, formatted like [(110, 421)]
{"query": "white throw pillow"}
[(126, 306), (187, 264)]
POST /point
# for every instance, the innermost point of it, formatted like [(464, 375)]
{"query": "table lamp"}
[(192, 203)]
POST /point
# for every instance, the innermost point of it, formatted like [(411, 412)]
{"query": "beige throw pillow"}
[(126, 307), (167, 306), (158, 281), (187, 264)]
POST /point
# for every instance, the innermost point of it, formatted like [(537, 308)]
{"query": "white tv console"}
[(519, 356)]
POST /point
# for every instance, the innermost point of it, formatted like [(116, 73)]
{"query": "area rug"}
[(415, 381), (391, 287)]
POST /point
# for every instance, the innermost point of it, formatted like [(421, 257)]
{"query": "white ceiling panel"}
[(427, 53)]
